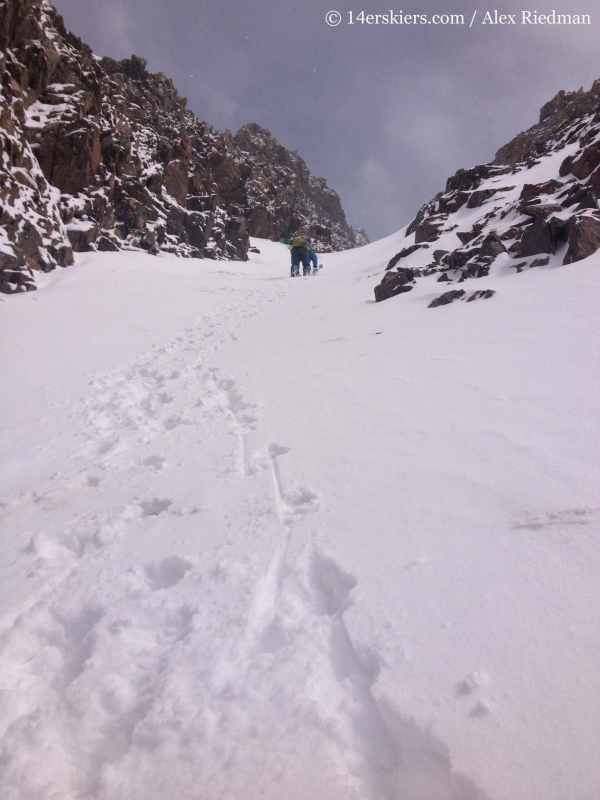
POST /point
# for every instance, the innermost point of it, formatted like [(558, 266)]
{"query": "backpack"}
[(300, 241)]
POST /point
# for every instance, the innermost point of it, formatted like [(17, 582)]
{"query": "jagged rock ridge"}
[(282, 194), (99, 154), (537, 200)]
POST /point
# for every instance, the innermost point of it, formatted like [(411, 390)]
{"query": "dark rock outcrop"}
[(394, 283), (459, 257), (556, 117), (481, 294), (491, 246), (540, 262), (536, 239), (447, 297), (100, 154), (478, 198), (583, 235), (427, 232), (407, 251)]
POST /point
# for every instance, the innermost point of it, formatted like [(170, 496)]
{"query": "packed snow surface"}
[(264, 538)]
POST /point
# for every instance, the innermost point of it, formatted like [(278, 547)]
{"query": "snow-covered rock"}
[(539, 197), (100, 154)]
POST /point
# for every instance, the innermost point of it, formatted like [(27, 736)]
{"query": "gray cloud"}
[(386, 114)]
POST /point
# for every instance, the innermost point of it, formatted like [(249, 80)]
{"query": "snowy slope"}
[(265, 538)]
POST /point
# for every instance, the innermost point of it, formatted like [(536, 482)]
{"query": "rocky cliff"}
[(281, 194), (99, 154), (535, 204)]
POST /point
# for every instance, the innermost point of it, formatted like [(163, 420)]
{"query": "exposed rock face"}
[(584, 238), (32, 233), (99, 154), (512, 217), (407, 251), (282, 196), (556, 117), (536, 239), (447, 298), (481, 294), (394, 283)]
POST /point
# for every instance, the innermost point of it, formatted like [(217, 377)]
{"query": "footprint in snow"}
[(481, 709), (166, 573), (154, 463), (302, 499), (470, 683), (155, 507)]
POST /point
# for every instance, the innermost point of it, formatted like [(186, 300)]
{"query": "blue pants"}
[(300, 255)]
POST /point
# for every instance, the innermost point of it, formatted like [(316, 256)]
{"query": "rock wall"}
[(103, 155), (32, 233)]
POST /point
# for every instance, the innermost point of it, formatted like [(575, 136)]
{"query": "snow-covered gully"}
[(283, 542)]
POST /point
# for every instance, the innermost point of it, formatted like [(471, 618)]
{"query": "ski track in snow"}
[(236, 679)]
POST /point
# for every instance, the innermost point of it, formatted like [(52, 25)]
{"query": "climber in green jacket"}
[(300, 254)]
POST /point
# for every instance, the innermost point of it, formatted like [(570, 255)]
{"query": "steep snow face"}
[(265, 538), (536, 204)]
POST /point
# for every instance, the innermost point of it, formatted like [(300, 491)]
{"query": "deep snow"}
[(265, 538)]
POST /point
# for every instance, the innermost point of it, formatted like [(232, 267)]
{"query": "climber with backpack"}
[(300, 254)]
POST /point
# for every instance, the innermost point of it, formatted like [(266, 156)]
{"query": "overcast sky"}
[(384, 112)]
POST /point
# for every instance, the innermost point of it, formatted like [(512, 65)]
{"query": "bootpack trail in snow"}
[(138, 668)]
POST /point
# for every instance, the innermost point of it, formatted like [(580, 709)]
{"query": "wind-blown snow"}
[(265, 538)]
